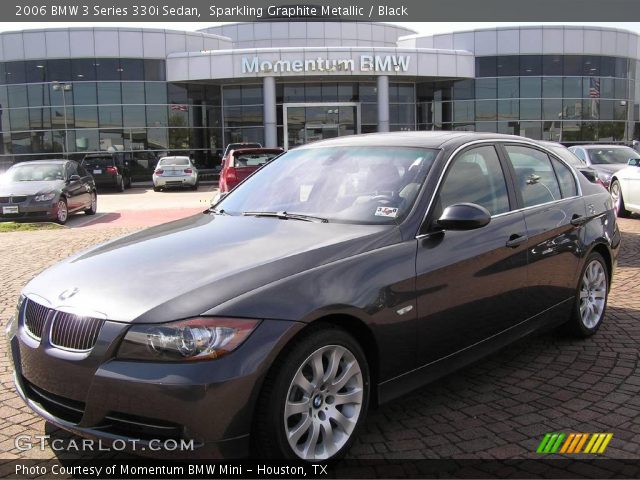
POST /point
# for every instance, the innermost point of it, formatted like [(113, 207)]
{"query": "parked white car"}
[(625, 189), (175, 172)]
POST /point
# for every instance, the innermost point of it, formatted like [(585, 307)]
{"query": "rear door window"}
[(535, 176), (565, 178)]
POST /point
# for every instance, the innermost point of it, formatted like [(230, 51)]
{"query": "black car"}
[(46, 190), (569, 157), (343, 274), (109, 170)]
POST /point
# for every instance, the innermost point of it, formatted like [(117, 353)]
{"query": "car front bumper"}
[(30, 210), (207, 406)]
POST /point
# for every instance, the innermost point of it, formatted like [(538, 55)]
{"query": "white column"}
[(383, 103), (270, 118)]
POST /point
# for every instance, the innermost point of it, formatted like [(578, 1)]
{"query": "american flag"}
[(179, 108), (594, 87)]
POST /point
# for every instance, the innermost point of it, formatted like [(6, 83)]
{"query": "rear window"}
[(253, 159), (98, 162), (182, 161)]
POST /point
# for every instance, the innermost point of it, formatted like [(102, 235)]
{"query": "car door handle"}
[(577, 220), (516, 240)]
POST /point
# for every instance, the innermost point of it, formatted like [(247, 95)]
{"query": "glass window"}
[(110, 116), (552, 109), (406, 92), (212, 94), (158, 138), (178, 94), (552, 87), (508, 87), (535, 176), (573, 65), (508, 65), (486, 88), (369, 113), (157, 116), (486, 127), (86, 117), (463, 111), (133, 92), (19, 119), (329, 92), (572, 87), (530, 87), (133, 116), (368, 92), (508, 109), (195, 93), (108, 69), (565, 177), (17, 96), (58, 70), (252, 95), (405, 114), (84, 93), (156, 93), (530, 109), (87, 140), (607, 66), (39, 118), (313, 92), (131, 69), (572, 109), (621, 88), (347, 92), (109, 93), (83, 69), (590, 65), (530, 65), (35, 71), (476, 177), (463, 90), (292, 92), (38, 95), (154, 70), (111, 140), (14, 72), (486, 67), (622, 67), (486, 110), (552, 65)]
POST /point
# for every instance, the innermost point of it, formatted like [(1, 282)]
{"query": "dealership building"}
[(286, 83)]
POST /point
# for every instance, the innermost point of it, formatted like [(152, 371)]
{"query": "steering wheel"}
[(383, 198)]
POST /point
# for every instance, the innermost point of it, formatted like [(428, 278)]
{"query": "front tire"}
[(314, 399), (591, 298), (618, 201), (93, 207), (62, 212)]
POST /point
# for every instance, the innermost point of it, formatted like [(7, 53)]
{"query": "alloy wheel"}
[(94, 202), (615, 196), (593, 294), (323, 403), (63, 213)]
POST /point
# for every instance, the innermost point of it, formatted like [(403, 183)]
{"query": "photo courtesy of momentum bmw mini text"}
[(319, 239)]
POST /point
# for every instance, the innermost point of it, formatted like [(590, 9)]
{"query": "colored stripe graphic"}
[(555, 442)]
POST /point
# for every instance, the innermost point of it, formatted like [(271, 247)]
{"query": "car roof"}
[(430, 139), (55, 161), (174, 157), (601, 145), (258, 150)]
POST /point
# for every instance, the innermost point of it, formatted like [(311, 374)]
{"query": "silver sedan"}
[(175, 172)]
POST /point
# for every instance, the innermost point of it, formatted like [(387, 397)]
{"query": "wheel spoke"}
[(300, 429), (334, 363), (345, 423), (328, 441), (351, 370), (312, 441), (303, 384), (584, 294), (354, 396), (295, 408), (318, 369)]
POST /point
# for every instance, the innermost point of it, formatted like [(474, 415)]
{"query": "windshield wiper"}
[(287, 216), (215, 211)]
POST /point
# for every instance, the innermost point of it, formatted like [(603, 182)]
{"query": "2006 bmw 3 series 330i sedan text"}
[(339, 276)]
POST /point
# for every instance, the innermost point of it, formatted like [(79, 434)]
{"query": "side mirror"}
[(464, 216), (74, 178), (634, 162)]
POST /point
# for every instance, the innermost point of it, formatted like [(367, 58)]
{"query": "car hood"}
[(29, 188), (609, 169), (189, 266)]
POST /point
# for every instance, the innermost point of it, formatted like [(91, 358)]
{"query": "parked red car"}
[(241, 163)]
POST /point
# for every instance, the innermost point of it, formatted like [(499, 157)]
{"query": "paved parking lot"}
[(498, 408)]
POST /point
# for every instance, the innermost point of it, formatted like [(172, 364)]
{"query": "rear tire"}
[(618, 202), (591, 297), (93, 208), (156, 189), (314, 398), (120, 186)]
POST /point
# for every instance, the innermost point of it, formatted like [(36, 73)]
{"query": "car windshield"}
[(609, 156), (253, 159), (182, 161), (98, 162), (363, 185), (35, 173)]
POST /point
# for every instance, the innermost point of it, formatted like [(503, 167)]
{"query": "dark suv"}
[(108, 170)]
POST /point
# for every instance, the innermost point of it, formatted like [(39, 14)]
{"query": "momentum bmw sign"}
[(365, 63)]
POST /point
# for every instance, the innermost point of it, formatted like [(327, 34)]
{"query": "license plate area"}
[(97, 172), (10, 209)]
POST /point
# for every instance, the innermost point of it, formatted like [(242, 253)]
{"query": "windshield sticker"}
[(386, 212)]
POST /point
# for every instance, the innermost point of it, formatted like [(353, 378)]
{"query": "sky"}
[(420, 27)]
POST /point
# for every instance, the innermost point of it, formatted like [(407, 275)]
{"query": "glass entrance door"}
[(310, 122)]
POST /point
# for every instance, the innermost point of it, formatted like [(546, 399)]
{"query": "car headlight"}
[(200, 338), (12, 325), (45, 197)]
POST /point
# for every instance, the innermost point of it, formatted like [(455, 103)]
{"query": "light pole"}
[(64, 87)]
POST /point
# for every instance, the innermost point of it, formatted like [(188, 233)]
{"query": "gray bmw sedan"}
[(339, 276)]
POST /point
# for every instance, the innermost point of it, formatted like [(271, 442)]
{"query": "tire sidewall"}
[(284, 376), (582, 328)]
